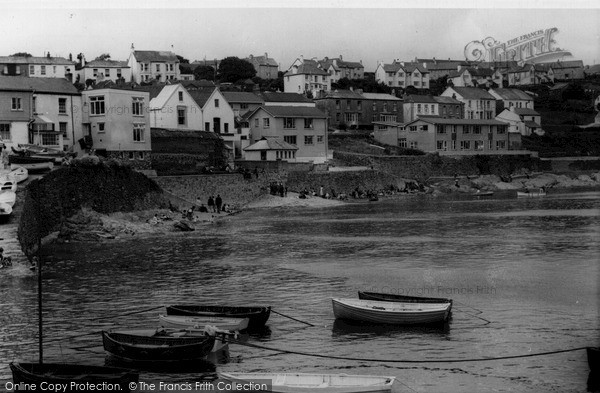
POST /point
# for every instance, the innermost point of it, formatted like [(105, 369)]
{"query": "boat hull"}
[(533, 194), (258, 316), (221, 337), (34, 374), (593, 355), (392, 313), (300, 382), (184, 321), (388, 297), (40, 166), (143, 349)]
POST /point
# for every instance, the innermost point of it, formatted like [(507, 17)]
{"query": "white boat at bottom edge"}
[(305, 382)]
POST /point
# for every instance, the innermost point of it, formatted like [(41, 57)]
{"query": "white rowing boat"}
[(395, 313), (300, 382), (184, 321)]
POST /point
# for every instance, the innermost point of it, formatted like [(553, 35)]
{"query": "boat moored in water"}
[(392, 313), (258, 316)]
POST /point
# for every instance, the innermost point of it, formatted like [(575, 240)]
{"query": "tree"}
[(233, 69), (204, 72), (183, 60), (21, 54), (103, 57)]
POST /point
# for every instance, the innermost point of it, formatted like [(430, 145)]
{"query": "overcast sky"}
[(317, 29)]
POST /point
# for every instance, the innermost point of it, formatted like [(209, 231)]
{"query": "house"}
[(270, 149), (266, 67), (439, 68), (117, 120), (566, 70), (478, 103), (302, 127), (475, 76), (524, 121), (102, 70), (528, 74), (511, 98), (305, 77), (447, 136), (415, 106), (242, 103), (402, 74), (40, 67), (339, 68), (147, 65), (174, 108), (218, 116), (40, 111)]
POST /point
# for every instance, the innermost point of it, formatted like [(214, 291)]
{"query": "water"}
[(523, 274)]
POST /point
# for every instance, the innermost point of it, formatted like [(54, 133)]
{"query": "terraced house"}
[(103, 70), (339, 68), (37, 67), (147, 65), (305, 77), (415, 106), (41, 111), (402, 74)]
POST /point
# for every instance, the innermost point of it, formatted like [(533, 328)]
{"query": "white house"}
[(175, 108), (305, 77), (102, 70), (512, 98), (524, 121), (478, 103)]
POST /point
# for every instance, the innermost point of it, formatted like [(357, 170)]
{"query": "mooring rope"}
[(286, 351), (287, 316)]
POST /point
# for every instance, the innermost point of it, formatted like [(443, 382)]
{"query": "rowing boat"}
[(390, 312), (221, 336), (184, 321), (38, 375), (132, 346), (257, 316), (301, 382), (388, 297), (531, 194)]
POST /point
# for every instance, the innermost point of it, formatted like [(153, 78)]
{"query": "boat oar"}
[(292, 318)]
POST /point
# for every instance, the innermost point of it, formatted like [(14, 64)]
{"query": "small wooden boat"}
[(35, 374), (300, 382), (531, 193), (20, 174), (480, 193), (593, 356), (222, 337), (393, 313), (30, 163), (221, 323), (130, 347), (388, 297), (258, 316)]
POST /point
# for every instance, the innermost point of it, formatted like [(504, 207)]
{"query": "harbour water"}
[(523, 274)]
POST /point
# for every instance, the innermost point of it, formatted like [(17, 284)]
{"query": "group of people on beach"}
[(278, 188), (215, 205)]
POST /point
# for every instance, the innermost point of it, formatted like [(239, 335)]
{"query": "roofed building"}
[(147, 65), (478, 103), (305, 77), (266, 67), (415, 106)]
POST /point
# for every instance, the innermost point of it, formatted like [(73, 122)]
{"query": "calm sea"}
[(524, 276)]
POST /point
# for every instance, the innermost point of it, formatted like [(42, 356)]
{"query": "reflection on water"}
[(523, 275)]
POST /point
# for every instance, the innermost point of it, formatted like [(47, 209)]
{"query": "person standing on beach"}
[(218, 203), (211, 203)]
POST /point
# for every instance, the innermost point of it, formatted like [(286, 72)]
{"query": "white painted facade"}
[(174, 108)]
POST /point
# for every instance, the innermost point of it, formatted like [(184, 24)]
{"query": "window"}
[(424, 127), (291, 139), (158, 68), (107, 72), (243, 106), (101, 128), (289, 122), (216, 102), (138, 132), (478, 145), (395, 107), (465, 145), (266, 122), (256, 122), (137, 106), (5, 131), (337, 117), (308, 123), (180, 96), (206, 126), (308, 139), (442, 145), (62, 106), (97, 105), (412, 128), (49, 139), (426, 109), (418, 108), (466, 129), (402, 142), (181, 118), (119, 73), (441, 129), (500, 145), (414, 145), (16, 104), (320, 139), (62, 127), (476, 129), (374, 106), (501, 129), (348, 103), (454, 128), (95, 72), (337, 104), (43, 70), (31, 70), (359, 105), (226, 128)]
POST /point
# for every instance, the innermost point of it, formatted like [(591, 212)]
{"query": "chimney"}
[(132, 47), (341, 58), (266, 55), (70, 57), (301, 58)]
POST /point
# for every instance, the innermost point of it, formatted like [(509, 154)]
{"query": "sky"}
[(367, 31)]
